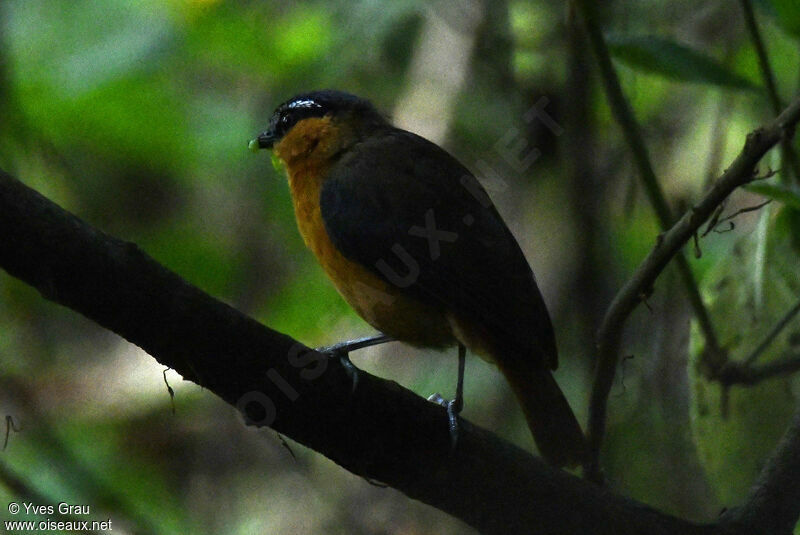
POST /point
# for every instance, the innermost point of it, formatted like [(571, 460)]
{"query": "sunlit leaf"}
[(674, 61)]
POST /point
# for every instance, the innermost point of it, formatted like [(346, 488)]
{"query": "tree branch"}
[(668, 245), (381, 431), (772, 335), (743, 373), (633, 137), (774, 503)]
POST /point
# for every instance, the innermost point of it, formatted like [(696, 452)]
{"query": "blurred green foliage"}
[(136, 117), (673, 61), (736, 428)]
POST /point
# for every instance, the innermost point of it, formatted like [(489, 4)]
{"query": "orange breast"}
[(381, 304)]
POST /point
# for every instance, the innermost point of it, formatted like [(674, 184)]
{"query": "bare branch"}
[(716, 218), (734, 372), (630, 128), (774, 332), (746, 372), (10, 426), (740, 172)]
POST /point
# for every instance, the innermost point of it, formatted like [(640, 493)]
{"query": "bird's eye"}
[(290, 114), (284, 123)]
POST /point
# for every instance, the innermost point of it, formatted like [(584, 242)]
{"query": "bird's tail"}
[(550, 418)]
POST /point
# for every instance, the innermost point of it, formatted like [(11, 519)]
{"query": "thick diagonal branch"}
[(381, 431)]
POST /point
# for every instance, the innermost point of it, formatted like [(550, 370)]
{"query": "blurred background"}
[(135, 116)]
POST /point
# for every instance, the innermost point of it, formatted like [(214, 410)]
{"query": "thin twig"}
[(745, 210), (740, 172), (10, 426), (776, 330), (633, 137), (170, 391), (768, 75), (287, 446), (716, 220), (630, 128), (742, 373)]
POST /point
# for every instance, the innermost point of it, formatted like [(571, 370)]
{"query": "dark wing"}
[(407, 210)]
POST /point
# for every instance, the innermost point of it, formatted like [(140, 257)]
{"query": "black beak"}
[(265, 140)]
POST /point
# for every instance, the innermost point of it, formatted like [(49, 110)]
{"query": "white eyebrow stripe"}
[(304, 104)]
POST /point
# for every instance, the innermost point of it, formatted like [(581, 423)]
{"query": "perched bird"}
[(414, 244)]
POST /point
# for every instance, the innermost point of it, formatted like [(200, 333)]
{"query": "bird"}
[(414, 244)]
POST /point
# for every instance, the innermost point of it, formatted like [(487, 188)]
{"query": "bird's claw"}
[(344, 358), (437, 398), (452, 417), (342, 352), (453, 408)]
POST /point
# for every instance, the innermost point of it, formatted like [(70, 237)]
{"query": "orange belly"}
[(380, 304)]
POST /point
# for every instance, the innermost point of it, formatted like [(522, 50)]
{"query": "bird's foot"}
[(453, 407), (342, 351), (344, 358)]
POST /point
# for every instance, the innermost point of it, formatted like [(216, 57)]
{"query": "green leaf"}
[(782, 194), (674, 61), (786, 14)]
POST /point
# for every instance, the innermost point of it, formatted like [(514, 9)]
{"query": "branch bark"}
[(623, 114), (741, 373), (381, 431)]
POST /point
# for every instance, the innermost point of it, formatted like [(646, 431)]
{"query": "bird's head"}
[(322, 122)]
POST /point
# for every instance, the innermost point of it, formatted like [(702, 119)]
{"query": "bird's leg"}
[(342, 352), (454, 406), (359, 343)]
